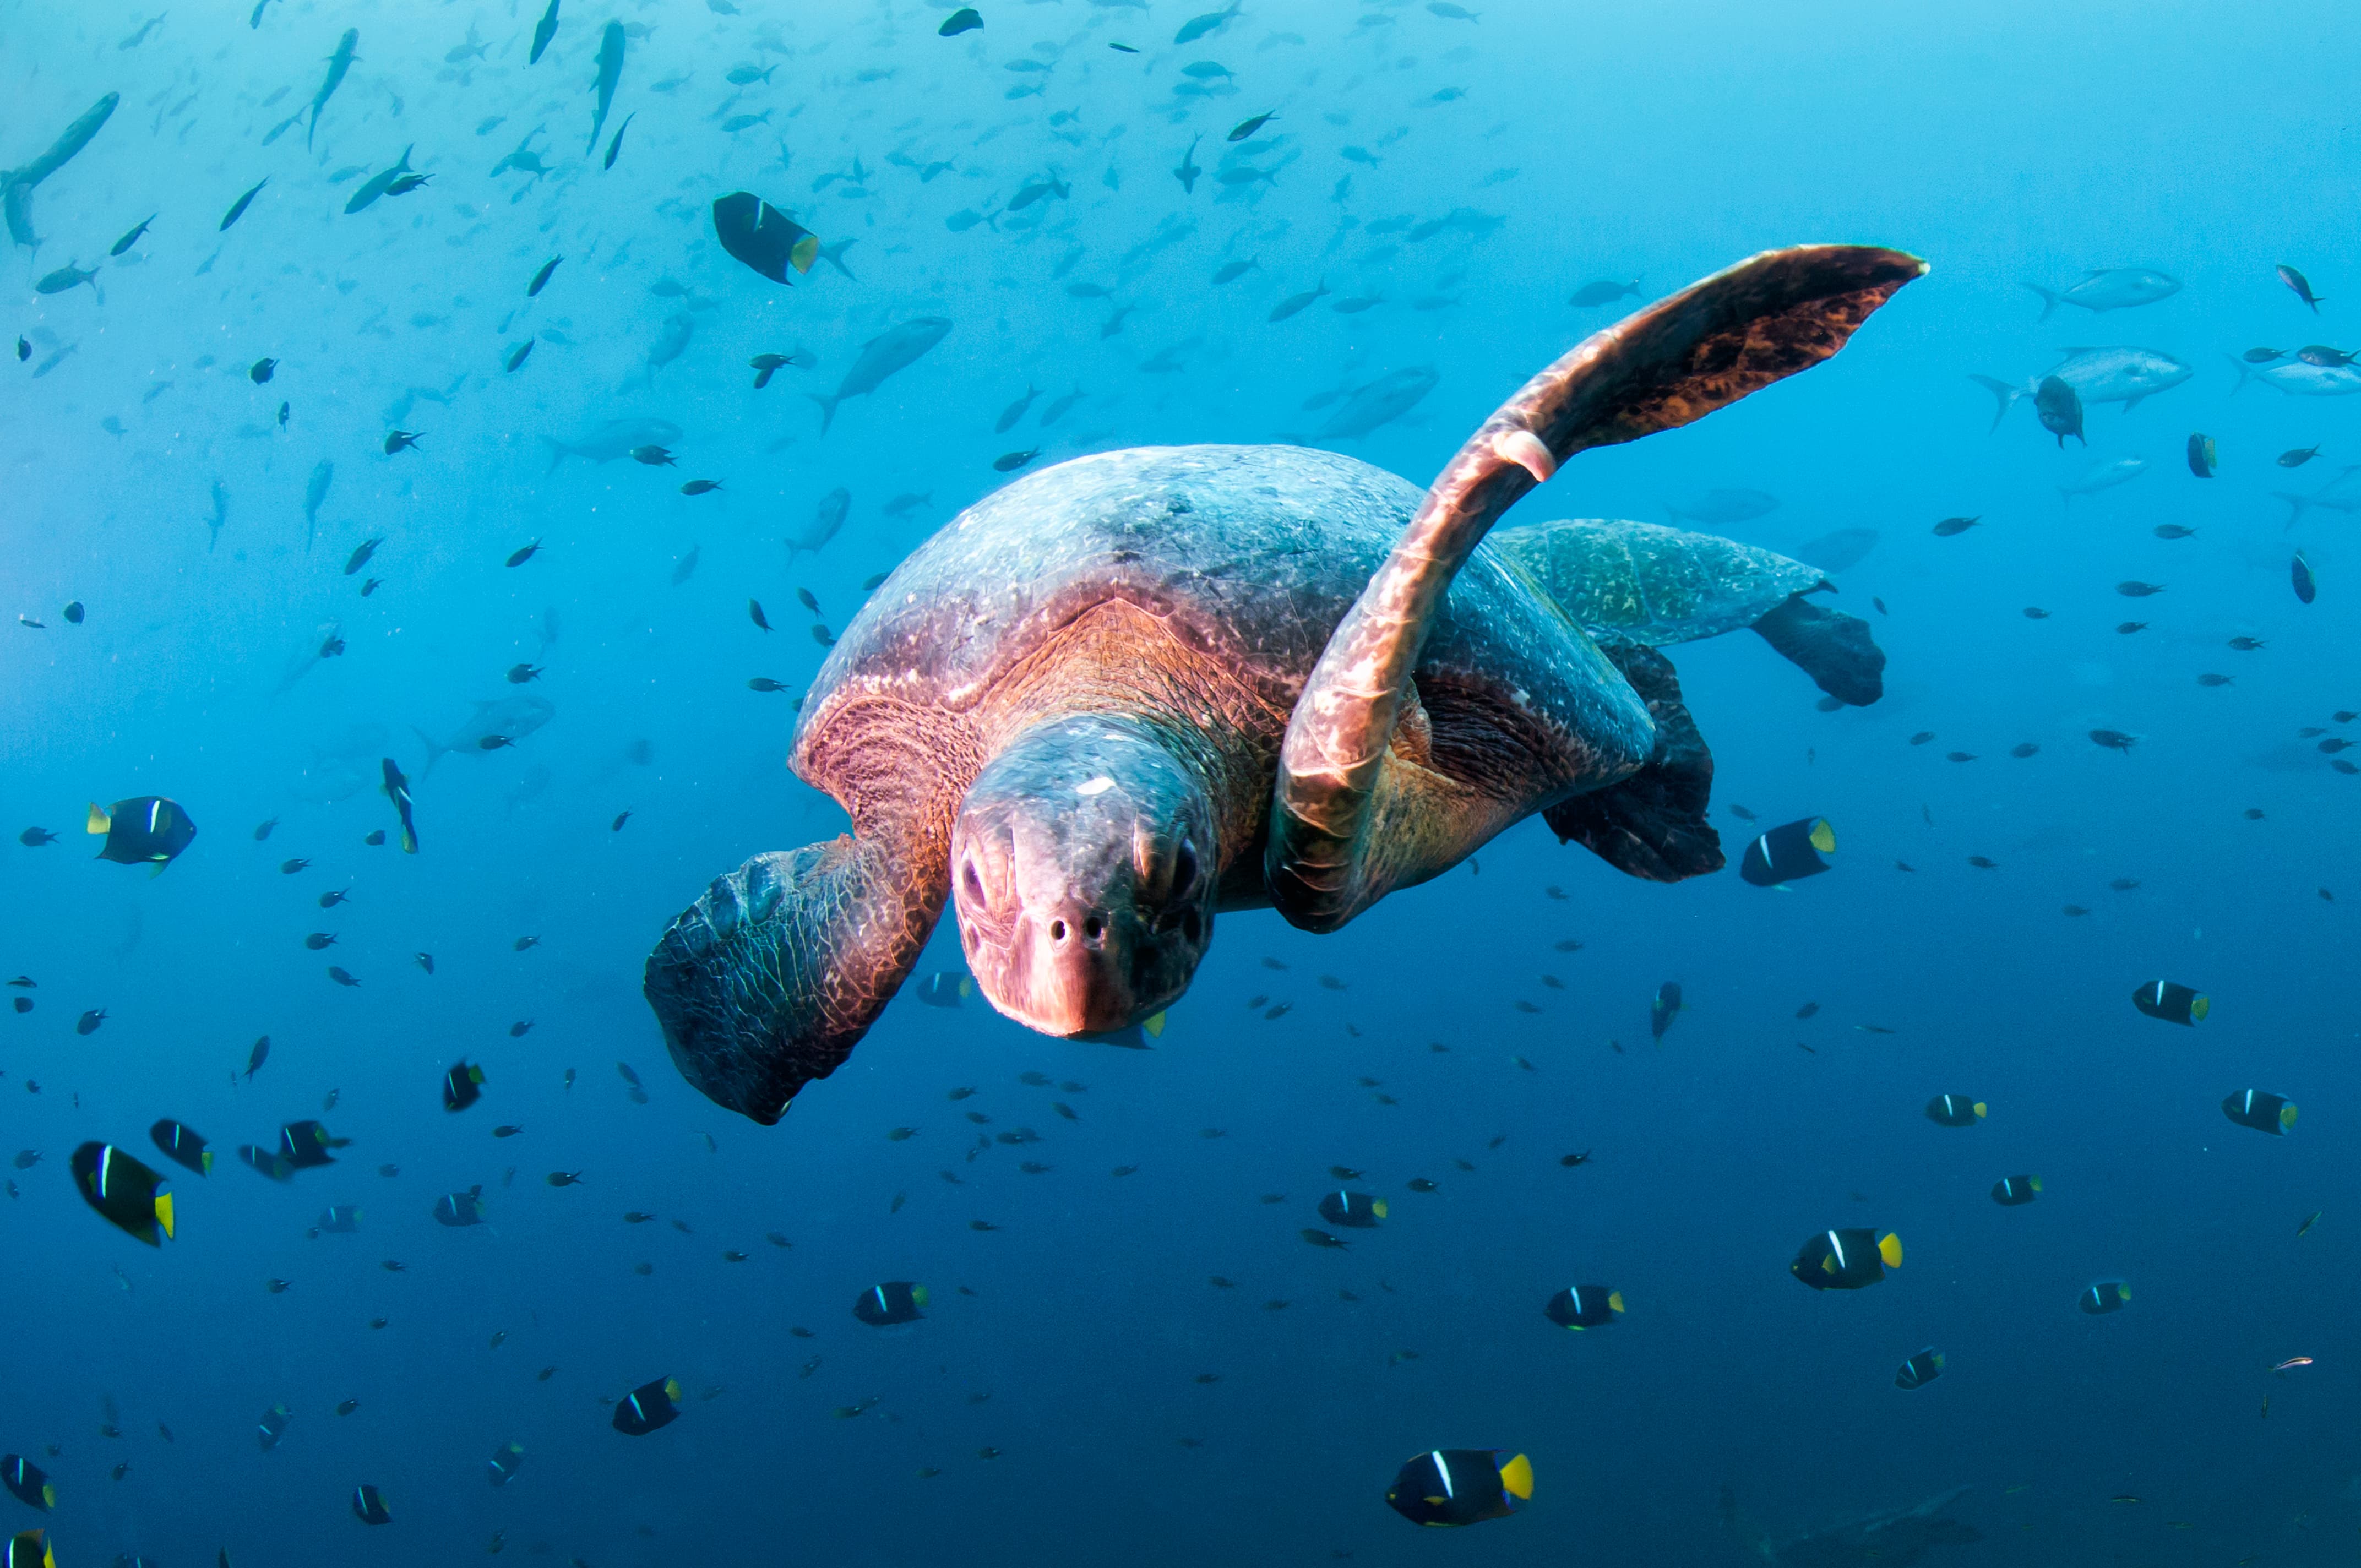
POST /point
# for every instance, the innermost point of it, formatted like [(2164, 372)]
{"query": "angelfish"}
[(397, 790)]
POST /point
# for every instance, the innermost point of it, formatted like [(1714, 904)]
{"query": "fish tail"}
[(2295, 506), (2246, 373), (2050, 300), (557, 450), (2006, 394), (435, 750), (827, 402)]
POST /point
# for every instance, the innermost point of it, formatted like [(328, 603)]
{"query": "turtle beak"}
[(1083, 905), (1064, 948)]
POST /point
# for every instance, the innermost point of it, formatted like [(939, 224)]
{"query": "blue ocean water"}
[(1080, 1389)]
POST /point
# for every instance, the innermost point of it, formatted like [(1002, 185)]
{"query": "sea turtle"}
[(1138, 688), (1658, 586)]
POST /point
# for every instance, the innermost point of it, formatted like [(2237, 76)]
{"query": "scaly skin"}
[(1200, 601), (1677, 361)]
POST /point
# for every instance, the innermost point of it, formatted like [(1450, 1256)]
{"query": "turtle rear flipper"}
[(1675, 362), (1833, 647), (770, 978), (1653, 824)]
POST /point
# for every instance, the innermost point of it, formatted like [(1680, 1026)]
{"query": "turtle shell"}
[(1652, 584), (1248, 556)]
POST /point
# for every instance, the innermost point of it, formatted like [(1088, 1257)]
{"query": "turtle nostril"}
[(1093, 929), (1057, 930)]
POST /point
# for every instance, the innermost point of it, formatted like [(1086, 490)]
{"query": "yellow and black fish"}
[(182, 1145), (1356, 1210), (1848, 1260), (2271, 1114), (2012, 1191), (2172, 1003), (266, 1161), (1789, 853), (369, 1506), (397, 790), (2106, 1296), (1460, 1485), (126, 1192), (1921, 1369), (1954, 1111), (145, 829), (648, 1407), (1664, 1009), (305, 1144), (460, 1209), (1584, 1307), (271, 1427), (28, 1483), (461, 1086), (895, 1301), (505, 1460), (30, 1549)]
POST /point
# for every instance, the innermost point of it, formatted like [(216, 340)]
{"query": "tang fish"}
[(125, 1193), (1460, 1486), (147, 829)]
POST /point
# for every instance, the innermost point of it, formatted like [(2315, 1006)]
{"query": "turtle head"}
[(1082, 866)]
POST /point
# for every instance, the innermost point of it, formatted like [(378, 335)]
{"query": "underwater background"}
[(1079, 1391)]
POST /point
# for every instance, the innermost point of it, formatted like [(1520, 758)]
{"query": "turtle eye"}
[(1184, 868), (972, 884)]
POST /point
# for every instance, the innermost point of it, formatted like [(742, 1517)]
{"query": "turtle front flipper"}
[(1833, 647), (770, 978), (1653, 824), (1681, 358)]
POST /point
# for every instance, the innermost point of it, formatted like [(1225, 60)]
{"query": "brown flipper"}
[(1679, 359), (770, 979), (1833, 647), (1651, 824)]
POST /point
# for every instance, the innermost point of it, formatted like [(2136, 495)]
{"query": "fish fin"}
[(1378, 1209), (100, 822), (1615, 1299), (2129, 404), (1889, 1247), (1517, 1477), (1980, 1109), (1154, 1025), (164, 1211), (158, 870), (2034, 1182), (1824, 837), (827, 402), (2006, 394), (2049, 300), (205, 1163)]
